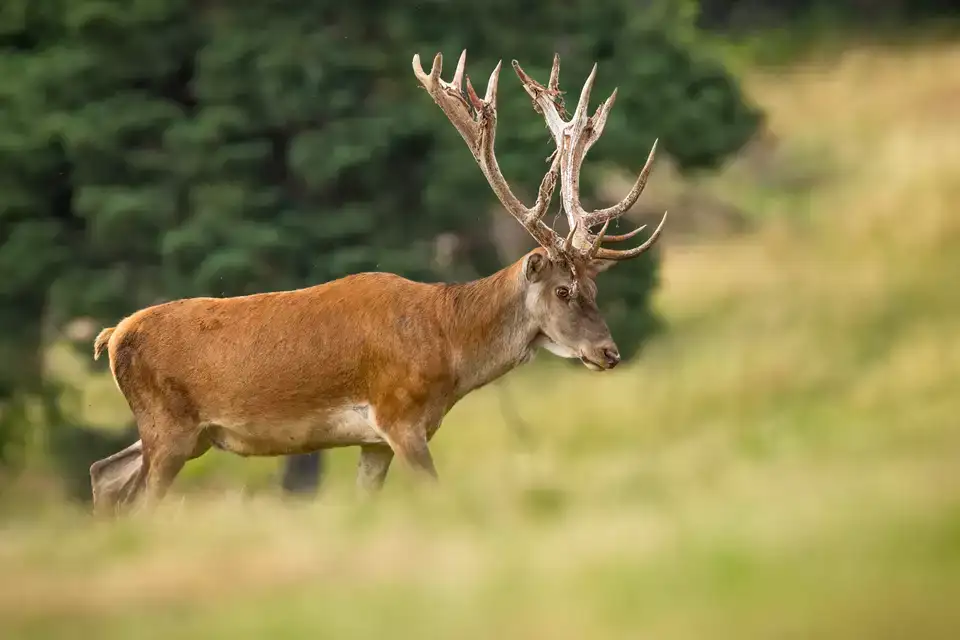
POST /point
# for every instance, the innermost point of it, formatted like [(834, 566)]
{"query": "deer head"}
[(559, 278)]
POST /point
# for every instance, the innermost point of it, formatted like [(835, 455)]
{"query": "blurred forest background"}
[(777, 458)]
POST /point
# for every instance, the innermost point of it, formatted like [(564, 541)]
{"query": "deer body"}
[(315, 366), (371, 360)]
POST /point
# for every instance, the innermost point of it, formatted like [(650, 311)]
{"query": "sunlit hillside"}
[(784, 461)]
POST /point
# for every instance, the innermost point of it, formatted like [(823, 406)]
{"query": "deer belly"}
[(342, 427)]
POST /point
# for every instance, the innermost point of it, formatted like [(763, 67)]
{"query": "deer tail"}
[(101, 342)]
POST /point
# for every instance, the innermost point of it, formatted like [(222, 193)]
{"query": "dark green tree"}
[(738, 15), (35, 220)]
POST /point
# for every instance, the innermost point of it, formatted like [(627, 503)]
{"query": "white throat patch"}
[(542, 341)]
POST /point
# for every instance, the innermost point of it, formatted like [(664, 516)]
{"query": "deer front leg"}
[(408, 441), (372, 469), (413, 449)]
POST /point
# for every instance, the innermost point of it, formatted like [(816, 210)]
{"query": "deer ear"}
[(596, 267), (535, 266)]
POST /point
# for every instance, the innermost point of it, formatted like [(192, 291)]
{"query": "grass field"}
[(783, 463)]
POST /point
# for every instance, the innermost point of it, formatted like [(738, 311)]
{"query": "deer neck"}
[(490, 331)]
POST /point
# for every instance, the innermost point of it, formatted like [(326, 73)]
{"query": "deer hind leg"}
[(171, 435), (116, 480), (166, 415), (169, 442)]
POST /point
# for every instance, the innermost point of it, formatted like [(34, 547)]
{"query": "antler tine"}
[(436, 67), (543, 98), (598, 121), (478, 130), (580, 115), (598, 241), (608, 214), (596, 217), (492, 84), (458, 74), (474, 98), (624, 236), (554, 83), (613, 254)]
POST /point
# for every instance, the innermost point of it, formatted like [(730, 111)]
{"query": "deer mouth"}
[(590, 364)]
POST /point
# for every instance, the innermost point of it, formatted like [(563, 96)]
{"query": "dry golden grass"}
[(782, 463)]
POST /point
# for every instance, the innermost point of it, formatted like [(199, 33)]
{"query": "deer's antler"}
[(478, 127), (574, 138)]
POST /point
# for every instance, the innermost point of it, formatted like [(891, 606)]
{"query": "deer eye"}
[(563, 293)]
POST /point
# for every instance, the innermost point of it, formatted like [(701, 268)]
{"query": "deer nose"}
[(612, 356)]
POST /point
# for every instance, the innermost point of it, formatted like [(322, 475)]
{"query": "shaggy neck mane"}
[(488, 327)]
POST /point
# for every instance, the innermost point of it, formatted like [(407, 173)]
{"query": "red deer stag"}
[(371, 360)]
